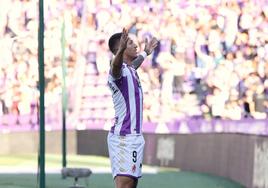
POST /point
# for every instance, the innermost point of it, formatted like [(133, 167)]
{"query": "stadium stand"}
[(211, 61)]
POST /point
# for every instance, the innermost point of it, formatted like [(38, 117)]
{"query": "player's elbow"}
[(116, 72)]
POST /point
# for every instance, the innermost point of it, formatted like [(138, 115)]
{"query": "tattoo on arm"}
[(137, 62)]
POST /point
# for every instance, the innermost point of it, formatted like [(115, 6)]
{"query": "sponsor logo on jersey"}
[(112, 88), (122, 144), (122, 170), (121, 161)]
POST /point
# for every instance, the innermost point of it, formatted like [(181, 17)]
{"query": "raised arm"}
[(117, 61), (148, 49), (138, 60)]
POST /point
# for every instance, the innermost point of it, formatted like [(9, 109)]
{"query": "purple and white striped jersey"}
[(128, 100)]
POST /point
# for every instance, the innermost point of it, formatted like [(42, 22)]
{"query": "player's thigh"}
[(125, 182)]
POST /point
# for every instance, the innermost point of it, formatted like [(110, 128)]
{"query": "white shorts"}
[(126, 154)]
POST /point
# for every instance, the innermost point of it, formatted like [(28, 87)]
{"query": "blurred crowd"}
[(19, 93), (211, 61)]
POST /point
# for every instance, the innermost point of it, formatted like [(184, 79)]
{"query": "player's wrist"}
[(147, 51), (144, 54)]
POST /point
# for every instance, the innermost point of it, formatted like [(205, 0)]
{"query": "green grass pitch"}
[(19, 171)]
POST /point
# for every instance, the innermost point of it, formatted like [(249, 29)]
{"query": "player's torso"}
[(128, 99)]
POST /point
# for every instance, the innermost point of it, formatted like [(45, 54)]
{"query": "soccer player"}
[(125, 139)]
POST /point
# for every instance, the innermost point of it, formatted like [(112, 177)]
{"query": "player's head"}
[(114, 42), (130, 51)]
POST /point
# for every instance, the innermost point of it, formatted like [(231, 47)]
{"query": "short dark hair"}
[(114, 39)]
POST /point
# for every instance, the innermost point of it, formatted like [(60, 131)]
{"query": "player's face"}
[(131, 49)]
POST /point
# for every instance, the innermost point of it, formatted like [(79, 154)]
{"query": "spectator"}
[(212, 54)]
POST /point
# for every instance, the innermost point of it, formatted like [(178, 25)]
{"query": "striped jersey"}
[(128, 100)]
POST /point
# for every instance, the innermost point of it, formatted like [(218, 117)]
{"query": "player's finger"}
[(125, 31), (125, 34), (154, 46), (146, 41), (154, 41), (127, 38), (124, 37)]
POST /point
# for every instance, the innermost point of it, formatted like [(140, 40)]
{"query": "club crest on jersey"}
[(133, 168)]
